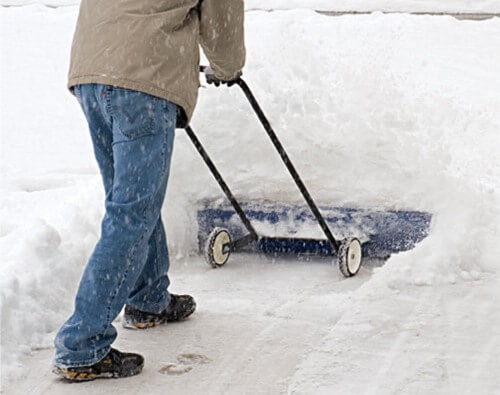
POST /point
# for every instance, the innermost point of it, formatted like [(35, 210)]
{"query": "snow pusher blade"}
[(358, 233), (380, 232)]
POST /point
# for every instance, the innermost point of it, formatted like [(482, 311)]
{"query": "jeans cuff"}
[(63, 362)]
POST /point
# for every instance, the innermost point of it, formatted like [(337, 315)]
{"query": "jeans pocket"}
[(134, 113)]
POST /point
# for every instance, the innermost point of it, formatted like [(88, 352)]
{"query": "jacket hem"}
[(133, 85)]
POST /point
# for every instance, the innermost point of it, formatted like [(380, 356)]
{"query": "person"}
[(135, 72)]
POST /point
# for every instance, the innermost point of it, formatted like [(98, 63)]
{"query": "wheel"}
[(349, 256), (214, 247)]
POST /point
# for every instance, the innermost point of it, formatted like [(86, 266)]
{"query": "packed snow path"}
[(276, 327), (255, 322)]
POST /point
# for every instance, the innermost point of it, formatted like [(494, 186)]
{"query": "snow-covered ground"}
[(380, 110)]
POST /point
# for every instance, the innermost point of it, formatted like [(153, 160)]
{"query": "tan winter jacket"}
[(152, 46)]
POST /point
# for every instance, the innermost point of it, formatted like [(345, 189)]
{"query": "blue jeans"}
[(132, 134)]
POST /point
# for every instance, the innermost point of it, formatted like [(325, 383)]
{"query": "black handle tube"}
[(222, 183), (284, 156)]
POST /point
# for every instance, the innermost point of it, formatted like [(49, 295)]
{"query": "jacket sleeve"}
[(222, 36)]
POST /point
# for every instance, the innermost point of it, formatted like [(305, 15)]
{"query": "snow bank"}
[(41, 265), (384, 115), (381, 111), (379, 5)]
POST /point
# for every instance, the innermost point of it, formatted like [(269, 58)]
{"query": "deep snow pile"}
[(380, 111)]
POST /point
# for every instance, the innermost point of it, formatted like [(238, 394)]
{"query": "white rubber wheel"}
[(349, 256), (214, 247)]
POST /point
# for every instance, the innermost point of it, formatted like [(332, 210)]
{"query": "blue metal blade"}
[(382, 232)]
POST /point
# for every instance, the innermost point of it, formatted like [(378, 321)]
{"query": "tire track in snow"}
[(397, 345)]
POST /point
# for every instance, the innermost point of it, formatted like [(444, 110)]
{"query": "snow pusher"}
[(363, 233)]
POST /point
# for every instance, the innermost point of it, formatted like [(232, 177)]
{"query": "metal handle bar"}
[(222, 183), (286, 160)]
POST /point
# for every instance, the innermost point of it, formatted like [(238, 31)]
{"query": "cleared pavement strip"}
[(473, 16)]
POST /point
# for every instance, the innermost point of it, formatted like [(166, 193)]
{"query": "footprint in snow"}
[(175, 370), (192, 358), (185, 364)]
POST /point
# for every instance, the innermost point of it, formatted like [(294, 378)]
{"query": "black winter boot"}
[(179, 308), (115, 364)]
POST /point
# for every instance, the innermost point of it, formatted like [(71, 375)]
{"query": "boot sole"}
[(142, 325)]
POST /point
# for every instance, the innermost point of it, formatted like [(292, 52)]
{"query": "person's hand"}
[(212, 79)]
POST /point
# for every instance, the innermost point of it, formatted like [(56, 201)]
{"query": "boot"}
[(115, 364), (179, 308)]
